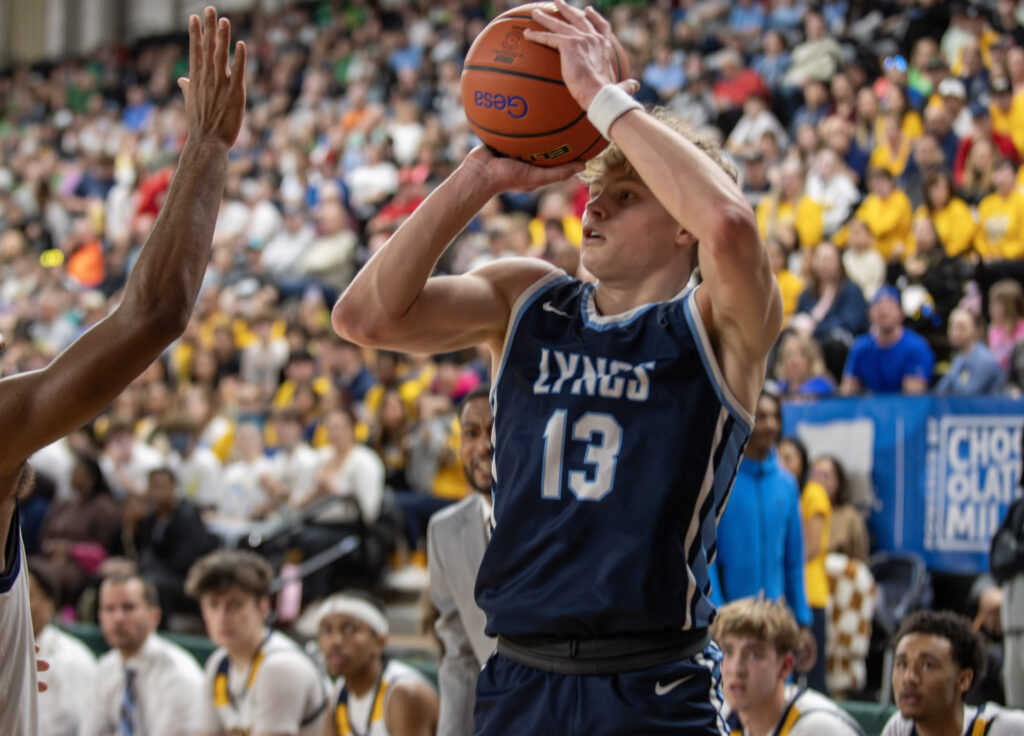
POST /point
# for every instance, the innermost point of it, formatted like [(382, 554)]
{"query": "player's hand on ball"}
[(500, 174), (585, 43)]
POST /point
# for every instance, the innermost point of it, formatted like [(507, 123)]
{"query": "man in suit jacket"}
[(456, 538)]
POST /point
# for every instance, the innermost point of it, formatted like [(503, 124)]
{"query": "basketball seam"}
[(514, 73), (529, 135)]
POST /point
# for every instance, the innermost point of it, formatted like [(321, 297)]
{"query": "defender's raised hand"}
[(214, 92)]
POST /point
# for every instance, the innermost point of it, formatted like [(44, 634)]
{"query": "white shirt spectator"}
[(242, 491), (360, 477), (199, 476), (131, 475), (261, 362), (296, 469), (282, 251), (72, 664), (837, 195), (866, 268), (168, 688), (749, 130)]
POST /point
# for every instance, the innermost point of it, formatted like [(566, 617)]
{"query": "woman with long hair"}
[(1006, 319)]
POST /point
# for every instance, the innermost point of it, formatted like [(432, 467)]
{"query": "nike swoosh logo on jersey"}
[(660, 689), (549, 307)]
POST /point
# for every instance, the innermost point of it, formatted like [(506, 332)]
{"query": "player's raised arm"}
[(41, 406), (394, 303), (744, 311)]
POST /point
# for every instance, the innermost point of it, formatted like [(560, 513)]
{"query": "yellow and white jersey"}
[(280, 691), (366, 715)]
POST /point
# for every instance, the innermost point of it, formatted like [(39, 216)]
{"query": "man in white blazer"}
[(456, 538)]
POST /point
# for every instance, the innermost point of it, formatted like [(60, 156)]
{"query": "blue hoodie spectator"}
[(760, 541)]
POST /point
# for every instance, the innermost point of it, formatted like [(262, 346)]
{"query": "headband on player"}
[(356, 608)]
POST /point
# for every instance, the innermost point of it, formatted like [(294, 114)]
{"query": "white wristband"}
[(609, 104)]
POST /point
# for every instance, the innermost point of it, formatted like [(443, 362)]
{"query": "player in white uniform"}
[(374, 695), (39, 407), (259, 682), (938, 658), (759, 640)]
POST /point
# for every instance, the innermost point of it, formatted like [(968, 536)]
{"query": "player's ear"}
[(684, 237), (786, 664)]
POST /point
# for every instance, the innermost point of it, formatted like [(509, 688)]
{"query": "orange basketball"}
[(515, 99)]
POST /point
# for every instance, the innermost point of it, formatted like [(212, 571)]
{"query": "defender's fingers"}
[(195, 50), (209, 33), (238, 65), (221, 46)]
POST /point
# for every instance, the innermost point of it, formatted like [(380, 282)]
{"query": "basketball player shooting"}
[(620, 409), (39, 407)]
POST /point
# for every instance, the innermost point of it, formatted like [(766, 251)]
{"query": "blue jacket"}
[(760, 539)]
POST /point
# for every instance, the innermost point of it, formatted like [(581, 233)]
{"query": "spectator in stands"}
[(759, 640), (974, 370), (954, 224), (78, 532), (258, 681), (761, 523), (197, 468), (985, 129), (800, 372), (169, 540), (1001, 217), (832, 187), (831, 308), (890, 358), (887, 212), (977, 181), (892, 150), (145, 684), (790, 284), (788, 213), (373, 694), (816, 515), (817, 57), (938, 657), (986, 602), (126, 460), (848, 532), (72, 663), (862, 262), (295, 462), (456, 539), (1006, 319), (353, 474), (757, 118)]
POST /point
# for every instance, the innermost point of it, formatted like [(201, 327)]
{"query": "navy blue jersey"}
[(616, 442)]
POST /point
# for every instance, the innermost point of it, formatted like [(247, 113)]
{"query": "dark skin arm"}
[(39, 407)]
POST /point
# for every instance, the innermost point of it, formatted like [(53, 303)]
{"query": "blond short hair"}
[(612, 157), (764, 620)]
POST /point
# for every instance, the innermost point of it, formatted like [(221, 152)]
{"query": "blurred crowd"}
[(879, 143)]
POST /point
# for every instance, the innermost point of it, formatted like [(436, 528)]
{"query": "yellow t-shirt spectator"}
[(955, 225), (814, 501), (791, 286), (807, 217), (1001, 226), (883, 157), (889, 220)]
